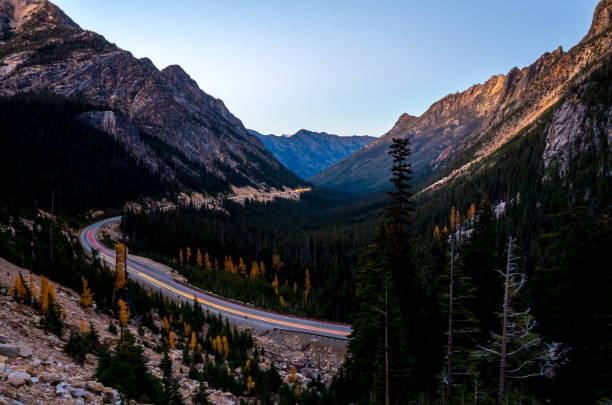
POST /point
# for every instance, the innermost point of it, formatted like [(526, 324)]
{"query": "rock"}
[(35, 363), (61, 389), (9, 351), (3, 340), (94, 386), (50, 377), (78, 393), (25, 352), (18, 378)]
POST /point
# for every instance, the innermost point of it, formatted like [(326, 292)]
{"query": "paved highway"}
[(157, 279)]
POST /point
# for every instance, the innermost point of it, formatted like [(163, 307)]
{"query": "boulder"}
[(50, 377), (9, 351), (19, 378), (25, 352), (94, 386)]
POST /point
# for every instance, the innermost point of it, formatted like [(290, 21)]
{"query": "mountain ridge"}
[(45, 51), (306, 152), (477, 121)]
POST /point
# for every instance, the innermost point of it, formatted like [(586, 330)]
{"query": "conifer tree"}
[(172, 395), (479, 260), (380, 360), (277, 263), (201, 396)]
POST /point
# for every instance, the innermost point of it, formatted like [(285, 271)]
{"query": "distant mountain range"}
[(457, 133), (164, 119), (306, 153)]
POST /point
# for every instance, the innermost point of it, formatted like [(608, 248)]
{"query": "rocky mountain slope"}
[(163, 117), (306, 153), (463, 128), (34, 367)]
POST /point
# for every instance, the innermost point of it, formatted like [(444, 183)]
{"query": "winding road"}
[(156, 279)]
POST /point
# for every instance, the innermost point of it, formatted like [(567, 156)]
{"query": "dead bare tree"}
[(520, 351)]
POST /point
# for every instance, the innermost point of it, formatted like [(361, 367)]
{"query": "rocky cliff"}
[(463, 128), (306, 153), (43, 50)]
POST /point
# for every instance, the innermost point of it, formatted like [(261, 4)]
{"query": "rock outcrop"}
[(43, 50), (462, 128)]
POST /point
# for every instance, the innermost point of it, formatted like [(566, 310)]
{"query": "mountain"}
[(463, 128), (162, 117), (306, 153)]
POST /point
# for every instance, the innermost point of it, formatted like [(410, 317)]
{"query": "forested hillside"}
[(46, 150)]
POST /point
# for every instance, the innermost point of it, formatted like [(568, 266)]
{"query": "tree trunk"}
[(449, 353), (504, 336), (387, 402)]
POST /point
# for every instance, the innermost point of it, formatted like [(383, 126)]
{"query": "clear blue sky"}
[(341, 66)]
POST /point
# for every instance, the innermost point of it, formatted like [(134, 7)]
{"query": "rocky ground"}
[(34, 369)]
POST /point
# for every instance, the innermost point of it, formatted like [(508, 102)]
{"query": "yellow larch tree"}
[(171, 342), (275, 284), (188, 254), (186, 330), (471, 214), (307, 285), (47, 295), (166, 324), (254, 271), (20, 291), (437, 235), (83, 327), (295, 288), (32, 285), (281, 301), (226, 347), (292, 375), (199, 259), (242, 268), (250, 383), (181, 258), (194, 341), (207, 263), (86, 296), (120, 259), (262, 269), (124, 315)]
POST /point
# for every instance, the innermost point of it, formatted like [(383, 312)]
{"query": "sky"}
[(340, 66)]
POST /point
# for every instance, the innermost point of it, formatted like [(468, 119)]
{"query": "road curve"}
[(237, 313)]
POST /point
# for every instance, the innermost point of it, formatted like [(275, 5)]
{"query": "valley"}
[(156, 251)]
